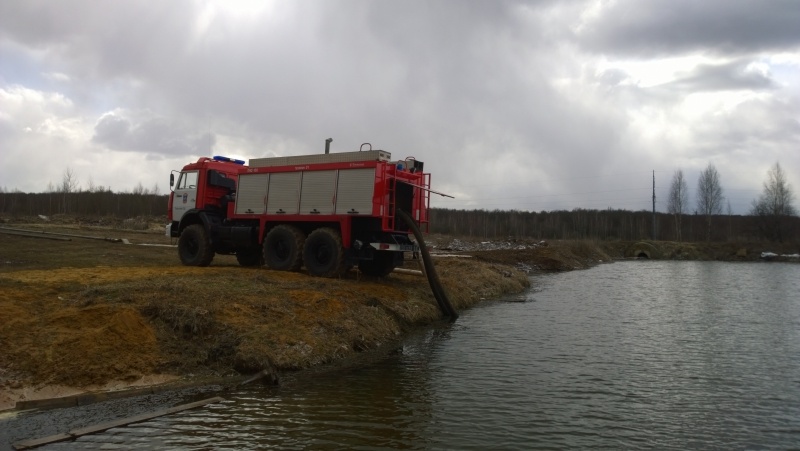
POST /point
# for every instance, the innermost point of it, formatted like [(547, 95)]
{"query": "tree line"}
[(83, 203), (610, 224), (772, 217), (69, 198), (773, 213)]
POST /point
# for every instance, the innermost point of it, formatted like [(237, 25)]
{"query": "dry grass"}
[(88, 311)]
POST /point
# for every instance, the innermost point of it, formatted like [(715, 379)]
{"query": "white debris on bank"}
[(768, 255), (456, 245), (441, 246)]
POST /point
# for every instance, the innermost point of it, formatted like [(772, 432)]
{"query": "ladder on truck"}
[(390, 182), (423, 204), (419, 207)]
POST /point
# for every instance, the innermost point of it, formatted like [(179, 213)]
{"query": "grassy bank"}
[(85, 312)]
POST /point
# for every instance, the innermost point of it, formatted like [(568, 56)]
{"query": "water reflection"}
[(383, 405)]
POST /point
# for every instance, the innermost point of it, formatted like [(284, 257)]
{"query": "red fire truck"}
[(326, 212)]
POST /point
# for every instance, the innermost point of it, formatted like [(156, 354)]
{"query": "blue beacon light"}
[(227, 159)]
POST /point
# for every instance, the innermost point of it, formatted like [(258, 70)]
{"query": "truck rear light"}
[(384, 246)]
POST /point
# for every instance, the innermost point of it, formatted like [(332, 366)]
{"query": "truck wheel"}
[(194, 248), (380, 266), (283, 247), (249, 257), (324, 253)]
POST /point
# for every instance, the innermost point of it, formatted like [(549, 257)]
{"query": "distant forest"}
[(578, 224), (84, 203)]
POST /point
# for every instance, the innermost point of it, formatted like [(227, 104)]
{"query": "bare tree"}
[(774, 205), (729, 212), (140, 190), (709, 196), (69, 182), (678, 200)]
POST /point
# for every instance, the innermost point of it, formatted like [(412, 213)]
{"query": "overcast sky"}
[(527, 105)]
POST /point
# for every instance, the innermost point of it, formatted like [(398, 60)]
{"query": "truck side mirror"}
[(171, 180)]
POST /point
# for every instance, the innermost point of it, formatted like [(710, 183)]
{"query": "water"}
[(664, 355)]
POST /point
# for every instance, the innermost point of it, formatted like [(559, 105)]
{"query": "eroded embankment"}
[(82, 327)]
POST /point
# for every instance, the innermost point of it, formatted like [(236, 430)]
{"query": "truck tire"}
[(283, 248), (251, 256), (381, 264), (323, 253), (194, 248)]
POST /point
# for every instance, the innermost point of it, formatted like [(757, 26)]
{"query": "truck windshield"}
[(188, 180)]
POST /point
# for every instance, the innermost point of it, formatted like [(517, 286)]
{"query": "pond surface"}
[(639, 354)]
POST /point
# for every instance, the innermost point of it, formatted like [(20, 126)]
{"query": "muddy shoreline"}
[(103, 316), (100, 315)]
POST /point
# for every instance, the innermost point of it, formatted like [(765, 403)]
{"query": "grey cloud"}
[(151, 135), (353, 68), (362, 71), (756, 124), (737, 75), (454, 83), (101, 38), (112, 130), (613, 77), (664, 27)]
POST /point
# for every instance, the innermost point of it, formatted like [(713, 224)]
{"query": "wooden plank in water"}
[(117, 423), (33, 443)]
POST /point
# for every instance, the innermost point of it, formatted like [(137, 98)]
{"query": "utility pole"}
[(654, 205)]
